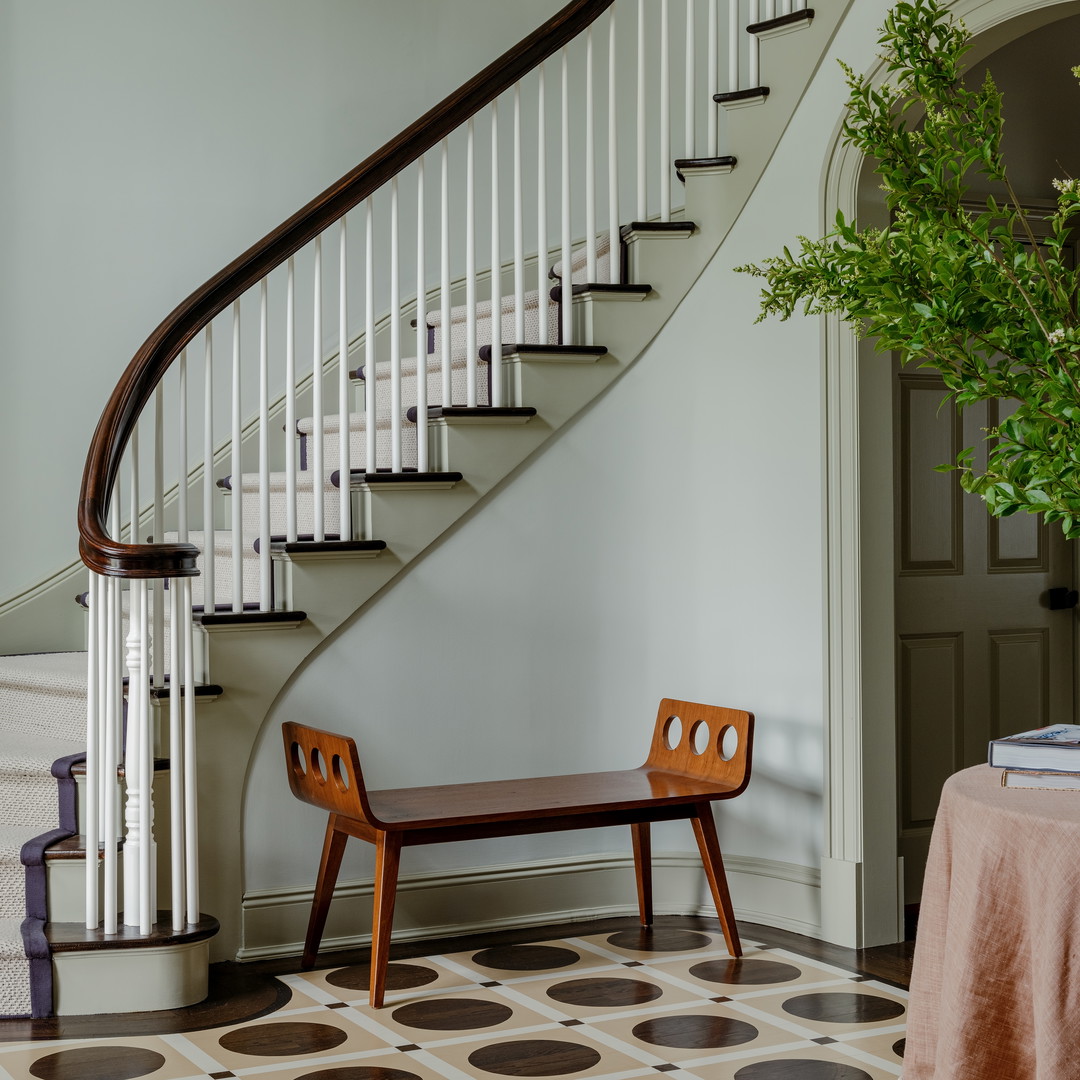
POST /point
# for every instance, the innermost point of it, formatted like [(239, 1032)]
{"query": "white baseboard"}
[(515, 895)]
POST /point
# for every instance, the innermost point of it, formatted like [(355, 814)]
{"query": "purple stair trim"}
[(36, 947), (32, 856)]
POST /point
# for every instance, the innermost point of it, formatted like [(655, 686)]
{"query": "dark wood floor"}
[(242, 992)]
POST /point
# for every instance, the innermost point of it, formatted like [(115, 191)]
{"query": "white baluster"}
[(138, 770), (542, 282), (734, 35), (470, 263), (344, 435), (566, 253), (91, 826), (176, 757), (208, 568), (690, 87), (318, 449), (290, 401), (182, 447), (264, 448), (768, 9), (133, 457), (665, 115), (519, 226), (444, 275), (190, 802), (754, 63), (712, 82), (590, 162), (157, 530), (369, 336), (642, 157), (614, 262), (421, 328), (395, 332), (237, 465), (110, 758), (495, 366)]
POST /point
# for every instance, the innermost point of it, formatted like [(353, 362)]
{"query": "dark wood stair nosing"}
[(436, 412), (545, 350), (385, 476), (726, 161), (741, 95), (251, 618), (805, 15), (301, 547), (657, 227), (602, 287)]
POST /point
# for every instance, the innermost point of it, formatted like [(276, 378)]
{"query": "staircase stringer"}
[(257, 665)]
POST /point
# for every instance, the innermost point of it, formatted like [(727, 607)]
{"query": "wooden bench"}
[(699, 753)]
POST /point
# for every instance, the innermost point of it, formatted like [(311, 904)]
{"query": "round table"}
[(995, 986)]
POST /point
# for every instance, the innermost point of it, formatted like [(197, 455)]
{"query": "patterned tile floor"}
[(611, 1005)]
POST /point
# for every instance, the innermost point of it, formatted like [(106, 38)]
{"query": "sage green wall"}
[(145, 143)]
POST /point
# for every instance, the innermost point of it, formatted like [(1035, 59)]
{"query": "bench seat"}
[(699, 754)]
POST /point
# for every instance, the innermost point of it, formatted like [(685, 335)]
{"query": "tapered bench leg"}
[(329, 864), (709, 844), (387, 860), (642, 834)]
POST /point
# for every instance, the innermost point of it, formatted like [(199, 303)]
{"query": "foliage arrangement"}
[(982, 292)]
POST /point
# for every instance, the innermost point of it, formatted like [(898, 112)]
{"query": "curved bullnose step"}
[(128, 971)]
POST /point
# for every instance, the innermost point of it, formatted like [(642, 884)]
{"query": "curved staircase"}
[(306, 530)]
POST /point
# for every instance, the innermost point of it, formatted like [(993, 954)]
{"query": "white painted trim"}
[(537, 893), (858, 884)]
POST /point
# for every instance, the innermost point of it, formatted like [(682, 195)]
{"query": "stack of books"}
[(1048, 757)]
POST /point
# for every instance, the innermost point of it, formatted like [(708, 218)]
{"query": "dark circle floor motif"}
[(534, 1057), (398, 977), (695, 1031), (801, 1069), (599, 993), (526, 958), (360, 1072), (451, 1014), (282, 1039), (843, 1008), (898, 1047), (651, 939), (745, 972), (97, 1063)]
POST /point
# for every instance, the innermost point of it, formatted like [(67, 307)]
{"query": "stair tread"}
[(74, 937)]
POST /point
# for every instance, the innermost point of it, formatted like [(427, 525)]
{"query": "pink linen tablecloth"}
[(995, 987)]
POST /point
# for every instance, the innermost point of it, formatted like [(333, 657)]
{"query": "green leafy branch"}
[(973, 290)]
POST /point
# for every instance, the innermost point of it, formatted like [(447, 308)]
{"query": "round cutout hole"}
[(297, 762), (727, 742), (318, 765), (699, 737), (341, 773), (672, 732)]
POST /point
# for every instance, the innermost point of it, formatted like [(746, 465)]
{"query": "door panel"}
[(979, 652)]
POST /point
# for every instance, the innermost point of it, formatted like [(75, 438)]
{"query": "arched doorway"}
[(862, 898)]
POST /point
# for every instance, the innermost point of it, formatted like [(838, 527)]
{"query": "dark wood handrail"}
[(149, 365)]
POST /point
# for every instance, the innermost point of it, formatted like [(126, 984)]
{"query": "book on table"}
[(1045, 781), (1047, 749)]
